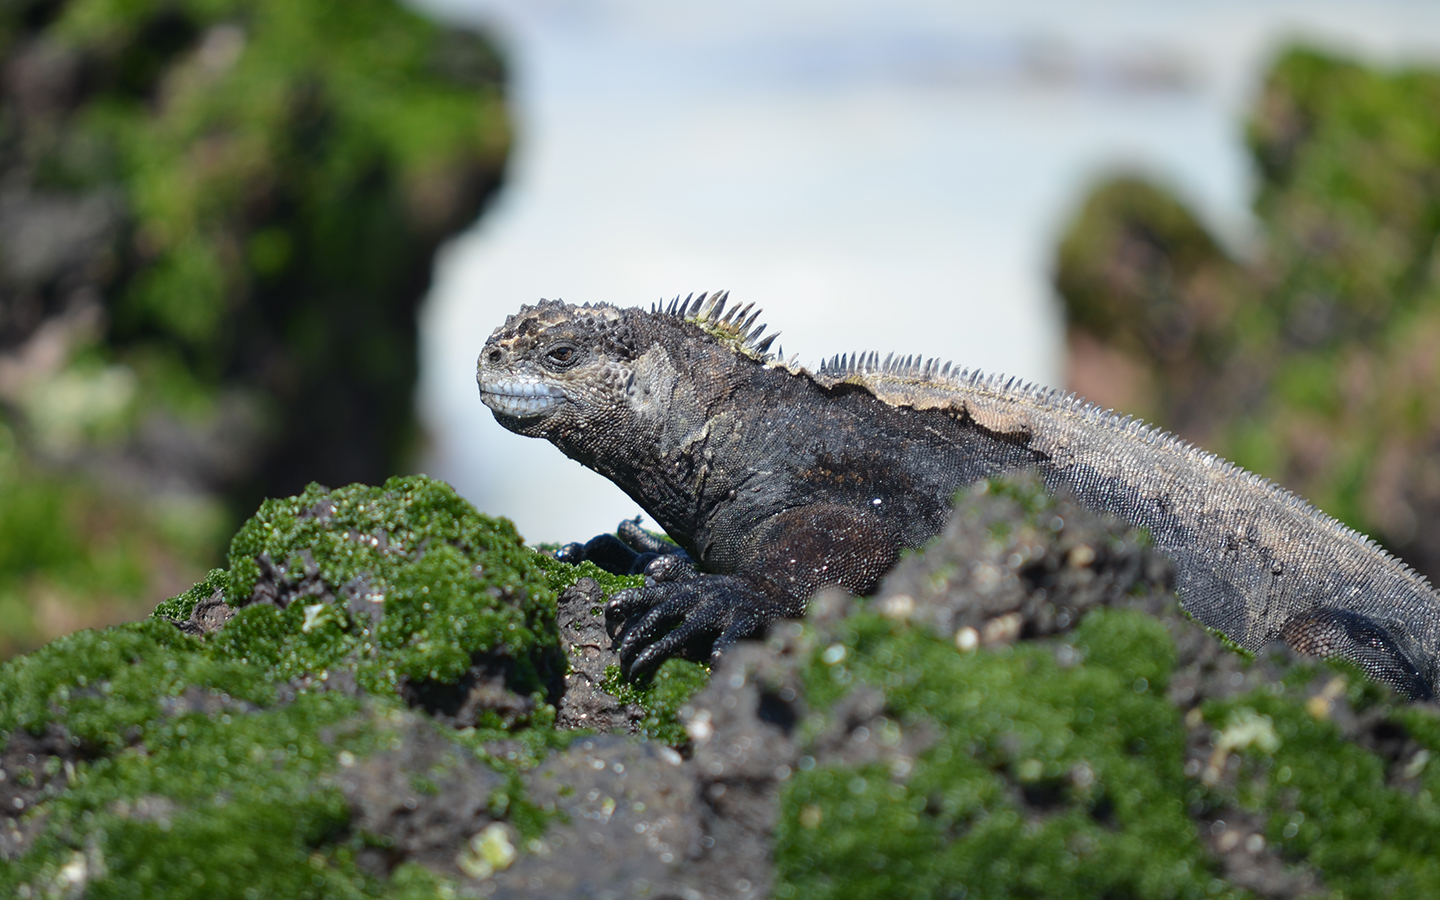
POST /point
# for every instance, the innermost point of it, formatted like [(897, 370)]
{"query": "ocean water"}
[(875, 176)]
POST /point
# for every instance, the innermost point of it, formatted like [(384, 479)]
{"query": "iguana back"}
[(1252, 559)]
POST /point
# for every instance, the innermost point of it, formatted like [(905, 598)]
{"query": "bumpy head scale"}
[(600, 322)]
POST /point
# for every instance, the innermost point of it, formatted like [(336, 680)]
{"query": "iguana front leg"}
[(627, 552), (680, 611)]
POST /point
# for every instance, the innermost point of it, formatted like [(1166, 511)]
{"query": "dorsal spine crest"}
[(734, 327)]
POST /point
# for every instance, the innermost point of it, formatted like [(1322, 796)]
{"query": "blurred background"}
[(248, 244)]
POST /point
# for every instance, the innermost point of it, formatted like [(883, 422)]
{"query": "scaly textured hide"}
[(778, 481)]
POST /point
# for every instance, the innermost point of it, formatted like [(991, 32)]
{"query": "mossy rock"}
[(363, 704), (1309, 359), (1130, 755), (152, 762)]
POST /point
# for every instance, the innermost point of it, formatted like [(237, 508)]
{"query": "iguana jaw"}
[(518, 397)]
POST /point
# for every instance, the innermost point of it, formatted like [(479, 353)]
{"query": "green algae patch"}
[(399, 584), (663, 696), (105, 688), (1039, 780), (1065, 770), (205, 750), (1371, 827), (561, 575), (148, 768)]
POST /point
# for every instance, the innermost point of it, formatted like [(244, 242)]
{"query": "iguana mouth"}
[(519, 398)]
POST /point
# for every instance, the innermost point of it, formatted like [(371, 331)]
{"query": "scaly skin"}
[(778, 481)]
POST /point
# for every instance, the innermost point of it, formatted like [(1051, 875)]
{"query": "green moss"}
[(217, 790), (443, 582), (1328, 801), (664, 694), (188, 771), (662, 697), (205, 764), (407, 582), (1037, 779), (1095, 748), (105, 684), (561, 575)]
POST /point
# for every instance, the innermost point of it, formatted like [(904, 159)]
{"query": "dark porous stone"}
[(424, 795), (630, 825), (585, 704)]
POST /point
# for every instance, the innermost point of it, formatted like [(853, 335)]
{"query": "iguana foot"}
[(681, 613)]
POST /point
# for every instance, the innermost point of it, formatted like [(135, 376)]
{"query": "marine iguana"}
[(777, 481)]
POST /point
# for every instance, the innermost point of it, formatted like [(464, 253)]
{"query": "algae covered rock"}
[(395, 587), (372, 701), (145, 758), (1024, 711)]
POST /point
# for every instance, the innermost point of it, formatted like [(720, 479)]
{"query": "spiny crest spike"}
[(731, 324), (736, 315)]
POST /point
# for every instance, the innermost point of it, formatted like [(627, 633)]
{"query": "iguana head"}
[(571, 374), (553, 365)]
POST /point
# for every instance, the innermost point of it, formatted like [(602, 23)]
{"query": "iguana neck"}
[(663, 449)]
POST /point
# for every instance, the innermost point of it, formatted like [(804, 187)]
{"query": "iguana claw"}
[(679, 613)]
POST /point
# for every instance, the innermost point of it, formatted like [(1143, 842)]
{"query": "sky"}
[(876, 176)]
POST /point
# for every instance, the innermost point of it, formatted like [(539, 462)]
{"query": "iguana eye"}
[(562, 356)]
